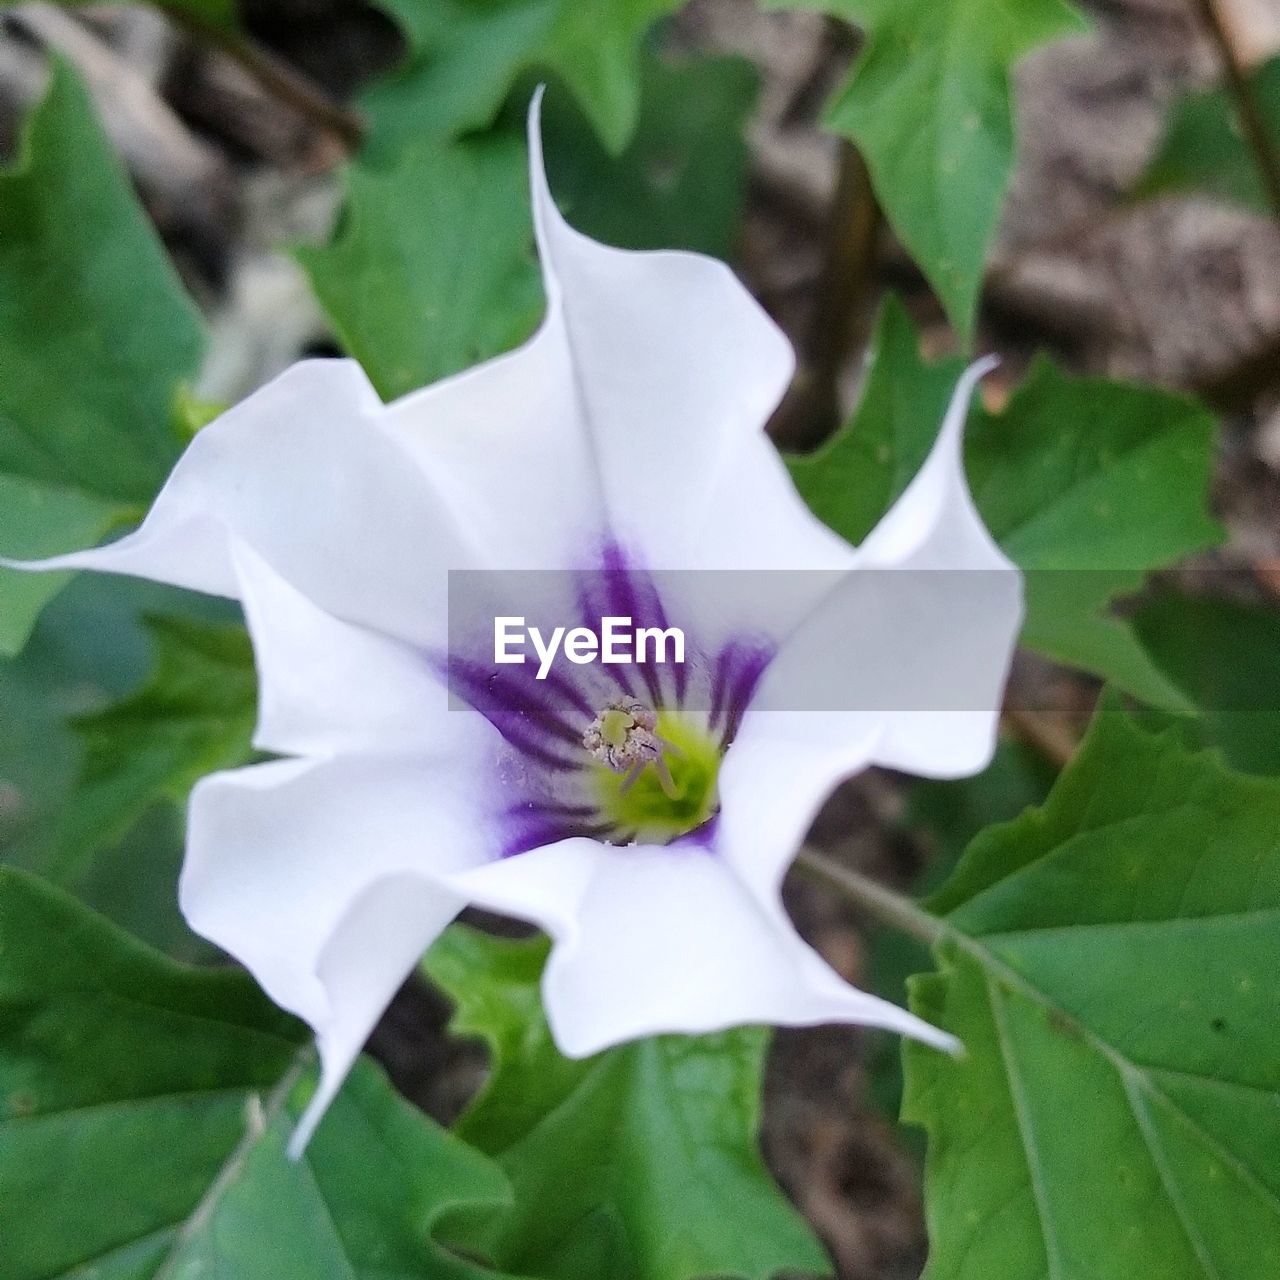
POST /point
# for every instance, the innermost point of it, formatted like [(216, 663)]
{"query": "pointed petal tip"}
[(534, 125), (546, 217), (301, 1137), (50, 564), (958, 410), (917, 1029), (974, 375), (950, 1045), (316, 1110)]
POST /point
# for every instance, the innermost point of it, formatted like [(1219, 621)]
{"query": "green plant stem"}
[(279, 79), (892, 908), (260, 1115), (1266, 150)]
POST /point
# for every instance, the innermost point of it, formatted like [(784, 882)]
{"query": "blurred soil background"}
[(1181, 292)]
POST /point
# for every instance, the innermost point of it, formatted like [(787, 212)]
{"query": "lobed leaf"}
[(1204, 147), (1087, 484), (88, 649), (1109, 962), (144, 1108), (195, 714), (929, 103), (944, 817), (641, 1162), (465, 57), (432, 268), (96, 338), (1222, 654), (681, 181)]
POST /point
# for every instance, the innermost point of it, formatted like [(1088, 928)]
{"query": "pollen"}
[(656, 771), (624, 736)]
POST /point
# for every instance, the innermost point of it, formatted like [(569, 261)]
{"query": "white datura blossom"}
[(644, 819)]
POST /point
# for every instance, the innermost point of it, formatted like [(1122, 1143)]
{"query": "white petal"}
[(918, 638), (637, 411), (505, 448), (325, 686), (760, 522), (651, 940), (303, 472), (378, 943), (934, 524), (282, 868), (676, 364), (777, 775), (903, 664)]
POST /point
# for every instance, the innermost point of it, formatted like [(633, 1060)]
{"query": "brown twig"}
[(1050, 738), (184, 179), (839, 318), (1266, 151), (279, 78), (1234, 388)]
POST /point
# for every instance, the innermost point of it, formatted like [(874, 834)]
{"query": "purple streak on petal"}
[(738, 668), (576, 706), (701, 837), (529, 721), (621, 589), (592, 610), (568, 812), (525, 830), (530, 827)]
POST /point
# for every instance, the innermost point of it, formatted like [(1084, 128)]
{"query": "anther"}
[(624, 736)]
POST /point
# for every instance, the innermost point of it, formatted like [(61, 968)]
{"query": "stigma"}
[(624, 736)]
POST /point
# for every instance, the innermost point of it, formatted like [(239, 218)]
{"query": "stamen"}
[(625, 737), (654, 786), (633, 776), (669, 788)]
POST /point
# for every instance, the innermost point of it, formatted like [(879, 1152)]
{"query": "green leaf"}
[(640, 1163), (195, 714), (144, 1107), (948, 815), (944, 817), (1087, 484), (96, 337), (681, 181), (929, 104), (858, 474), (214, 13), (1110, 963), (432, 267), (217, 13), (466, 55), (1204, 147), (1222, 655), (88, 649)]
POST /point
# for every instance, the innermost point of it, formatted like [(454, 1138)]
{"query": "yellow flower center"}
[(655, 775)]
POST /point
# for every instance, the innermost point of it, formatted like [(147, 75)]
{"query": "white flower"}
[(624, 439)]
